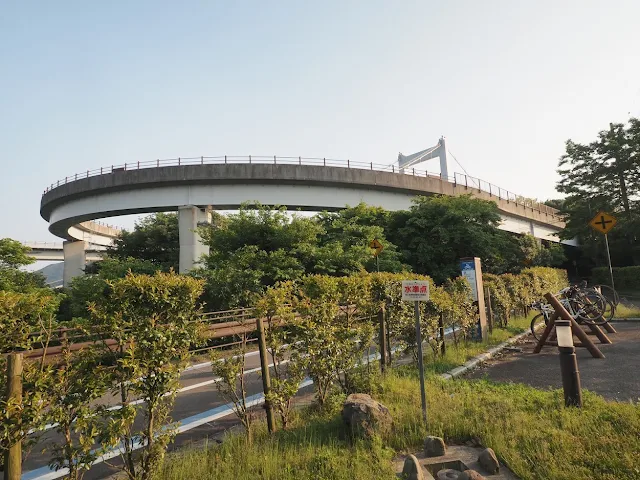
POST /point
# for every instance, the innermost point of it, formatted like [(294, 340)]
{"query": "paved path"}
[(617, 377)]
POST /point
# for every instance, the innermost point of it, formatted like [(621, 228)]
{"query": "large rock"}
[(365, 416), (470, 475), (412, 469), (434, 447), (489, 461)]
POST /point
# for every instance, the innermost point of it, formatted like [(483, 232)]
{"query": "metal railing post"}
[(348, 164), (76, 177), (371, 165), (466, 182), (249, 158), (274, 159), (201, 160), (158, 162), (414, 172), (393, 169), (299, 160), (100, 170), (490, 194), (178, 161), (225, 159), (125, 167)]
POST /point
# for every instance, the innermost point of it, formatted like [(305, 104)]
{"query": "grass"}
[(529, 429), (623, 311), (458, 355)]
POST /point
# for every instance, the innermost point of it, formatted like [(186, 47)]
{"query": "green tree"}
[(438, 230), (154, 319), (608, 168), (13, 256), (603, 175), (154, 238), (348, 233), (74, 383), (253, 249), (93, 285)]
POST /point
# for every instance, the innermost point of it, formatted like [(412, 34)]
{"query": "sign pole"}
[(378, 263), (606, 242), (423, 396)]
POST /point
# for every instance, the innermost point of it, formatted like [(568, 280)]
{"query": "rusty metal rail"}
[(220, 324)]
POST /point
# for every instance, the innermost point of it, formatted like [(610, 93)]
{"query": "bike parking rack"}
[(585, 341)]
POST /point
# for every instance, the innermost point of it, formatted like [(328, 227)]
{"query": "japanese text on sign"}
[(415, 290)]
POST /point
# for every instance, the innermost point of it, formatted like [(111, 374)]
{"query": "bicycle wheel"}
[(538, 318), (610, 311), (590, 307), (609, 293)]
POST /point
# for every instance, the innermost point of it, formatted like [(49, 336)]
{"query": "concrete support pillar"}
[(75, 260), (191, 246)]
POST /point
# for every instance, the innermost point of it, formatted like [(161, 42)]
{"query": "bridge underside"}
[(193, 190)]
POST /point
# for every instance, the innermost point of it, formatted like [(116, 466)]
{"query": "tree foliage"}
[(437, 231), (13, 256), (154, 239), (603, 175), (154, 320)]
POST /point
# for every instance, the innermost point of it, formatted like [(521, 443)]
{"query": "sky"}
[(90, 84)]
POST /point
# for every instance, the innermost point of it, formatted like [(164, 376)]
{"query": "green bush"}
[(625, 278), (511, 293)]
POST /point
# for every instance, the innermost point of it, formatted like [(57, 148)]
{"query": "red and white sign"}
[(415, 290)]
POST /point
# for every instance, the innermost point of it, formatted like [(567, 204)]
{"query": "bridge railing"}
[(43, 245), (457, 179)]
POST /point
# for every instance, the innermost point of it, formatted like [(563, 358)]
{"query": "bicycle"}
[(586, 306)]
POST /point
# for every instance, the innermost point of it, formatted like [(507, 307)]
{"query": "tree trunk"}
[(624, 194), (128, 457)]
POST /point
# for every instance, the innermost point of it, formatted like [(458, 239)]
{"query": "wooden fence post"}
[(443, 346), (490, 310), (13, 456), (266, 378), (383, 340), (389, 349)]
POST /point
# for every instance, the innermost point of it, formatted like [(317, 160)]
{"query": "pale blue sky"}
[(86, 84)]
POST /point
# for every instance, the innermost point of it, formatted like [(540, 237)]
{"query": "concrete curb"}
[(630, 319), (475, 361)]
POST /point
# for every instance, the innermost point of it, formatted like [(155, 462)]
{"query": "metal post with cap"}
[(568, 364)]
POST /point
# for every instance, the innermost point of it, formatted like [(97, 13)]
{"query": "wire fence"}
[(457, 179)]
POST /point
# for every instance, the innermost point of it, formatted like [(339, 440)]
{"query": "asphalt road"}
[(617, 377)]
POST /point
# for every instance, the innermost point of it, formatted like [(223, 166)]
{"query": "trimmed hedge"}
[(514, 293), (625, 278)]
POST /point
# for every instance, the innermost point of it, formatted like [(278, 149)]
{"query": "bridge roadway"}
[(194, 187)]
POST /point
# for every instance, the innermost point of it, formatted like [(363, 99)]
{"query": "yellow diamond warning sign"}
[(377, 246), (603, 222)]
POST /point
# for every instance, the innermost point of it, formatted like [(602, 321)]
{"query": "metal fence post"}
[(13, 456), (266, 379)]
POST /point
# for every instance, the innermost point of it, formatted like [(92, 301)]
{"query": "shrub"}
[(625, 278)]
